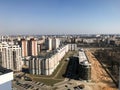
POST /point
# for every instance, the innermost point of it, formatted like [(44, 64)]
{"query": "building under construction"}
[(84, 66)]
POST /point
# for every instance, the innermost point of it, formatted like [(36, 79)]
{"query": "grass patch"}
[(47, 81), (63, 69)]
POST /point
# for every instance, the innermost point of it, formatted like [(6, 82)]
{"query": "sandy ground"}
[(99, 76)]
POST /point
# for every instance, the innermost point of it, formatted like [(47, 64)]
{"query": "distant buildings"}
[(48, 44), (10, 56), (72, 47), (6, 77), (52, 43), (55, 43), (24, 46), (40, 44), (4, 38), (32, 48)]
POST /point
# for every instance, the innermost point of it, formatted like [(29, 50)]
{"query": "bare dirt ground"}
[(98, 75)]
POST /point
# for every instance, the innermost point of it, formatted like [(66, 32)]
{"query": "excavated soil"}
[(99, 77)]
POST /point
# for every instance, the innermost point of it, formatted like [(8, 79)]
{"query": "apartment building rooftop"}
[(83, 58), (4, 70)]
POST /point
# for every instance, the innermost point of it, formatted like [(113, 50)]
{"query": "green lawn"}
[(47, 81), (63, 70)]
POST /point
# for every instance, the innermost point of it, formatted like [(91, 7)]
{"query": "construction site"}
[(91, 72), (100, 78), (92, 76), (96, 77)]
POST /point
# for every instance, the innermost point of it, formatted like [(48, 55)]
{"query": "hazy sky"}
[(59, 16)]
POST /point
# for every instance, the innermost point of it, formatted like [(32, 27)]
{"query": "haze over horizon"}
[(59, 17)]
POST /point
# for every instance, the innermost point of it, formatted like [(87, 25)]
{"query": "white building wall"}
[(43, 67), (6, 77), (39, 66), (33, 66), (5, 53), (82, 56), (57, 42), (50, 43), (18, 56)]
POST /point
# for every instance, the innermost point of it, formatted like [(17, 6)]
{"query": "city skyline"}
[(59, 62), (59, 17)]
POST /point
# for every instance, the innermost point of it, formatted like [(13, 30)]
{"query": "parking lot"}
[(29, 85), (72, 85), (22, 82)]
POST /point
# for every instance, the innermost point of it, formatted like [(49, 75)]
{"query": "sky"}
[(59, 17)]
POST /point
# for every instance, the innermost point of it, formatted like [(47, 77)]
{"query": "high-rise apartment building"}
[(40, 44), (33, 47), (24, 46), (29, 47), (52, 43), (17, 57), (48, 44), (10, 56), (6, 56), (55, 43)]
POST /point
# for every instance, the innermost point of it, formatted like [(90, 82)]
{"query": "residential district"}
[(59, 62)]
